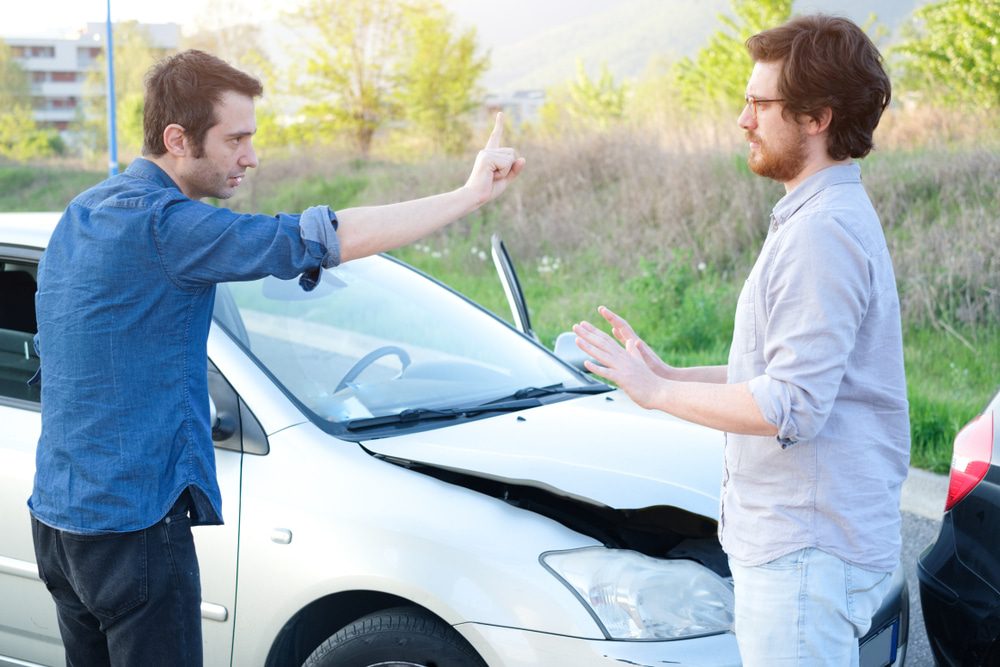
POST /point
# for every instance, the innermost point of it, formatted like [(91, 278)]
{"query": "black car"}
[(959, 573)]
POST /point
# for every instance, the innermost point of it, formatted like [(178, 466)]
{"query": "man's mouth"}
[(238, 178)]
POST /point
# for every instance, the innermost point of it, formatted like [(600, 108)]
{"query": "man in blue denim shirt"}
[(126, 289), (813, 398)]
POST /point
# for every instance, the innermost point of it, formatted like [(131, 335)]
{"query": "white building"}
[(57, 68), (521, 106)]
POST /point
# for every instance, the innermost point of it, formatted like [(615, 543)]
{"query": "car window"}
[(376, 338), (18, 360)]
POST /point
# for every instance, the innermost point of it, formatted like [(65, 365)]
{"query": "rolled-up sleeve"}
[(318, 226), (200, 245), (816, 296)]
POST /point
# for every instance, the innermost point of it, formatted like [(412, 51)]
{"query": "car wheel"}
[(401, 637)]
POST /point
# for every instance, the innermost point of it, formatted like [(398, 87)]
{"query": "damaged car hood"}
[(600, 449)]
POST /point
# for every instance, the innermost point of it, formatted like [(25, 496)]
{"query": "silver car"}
[(408, 480)]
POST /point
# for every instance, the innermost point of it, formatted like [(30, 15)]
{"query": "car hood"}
[(600, 449)]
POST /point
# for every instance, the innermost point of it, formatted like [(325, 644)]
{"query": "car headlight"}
[(634, 596)]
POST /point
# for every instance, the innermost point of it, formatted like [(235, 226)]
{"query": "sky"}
[(60, 18)]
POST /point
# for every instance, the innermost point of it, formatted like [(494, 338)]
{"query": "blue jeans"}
[(125, 599), (807, 608)]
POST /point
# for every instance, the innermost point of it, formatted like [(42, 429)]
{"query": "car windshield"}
[(376, 338)]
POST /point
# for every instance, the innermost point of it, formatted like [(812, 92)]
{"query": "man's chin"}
[(782, 172), (224, 192)]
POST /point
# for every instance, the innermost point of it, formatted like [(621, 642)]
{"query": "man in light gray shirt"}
[(813, 398)]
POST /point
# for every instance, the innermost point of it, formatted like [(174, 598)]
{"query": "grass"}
[(42, 188), (949, 383)]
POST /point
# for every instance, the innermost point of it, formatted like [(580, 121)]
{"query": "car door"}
[(28, 628), (29, 632), (217, 546)]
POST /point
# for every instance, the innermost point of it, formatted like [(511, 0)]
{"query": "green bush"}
[(950, 377), (685, 307), (32, 188), (338, 192)]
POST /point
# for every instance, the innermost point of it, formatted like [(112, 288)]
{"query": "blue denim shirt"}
[(125, 296)]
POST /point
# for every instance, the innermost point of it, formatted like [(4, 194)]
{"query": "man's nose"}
[(249, 159), (746, 119)]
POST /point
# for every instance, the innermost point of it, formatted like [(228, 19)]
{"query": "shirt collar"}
[(149, 170), (812, 186)]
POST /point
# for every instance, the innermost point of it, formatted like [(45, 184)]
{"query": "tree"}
[(950, 53), (14, 88), (584, 103), (370, 63), (351, 66), (239, 43), (598, 102), (134, 55), (439, 76), (20, 137), (718, 74), (653, 96)]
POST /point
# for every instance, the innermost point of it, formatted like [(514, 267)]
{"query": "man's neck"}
[(813, 168), (169, 165)]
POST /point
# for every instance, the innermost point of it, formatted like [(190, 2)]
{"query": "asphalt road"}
[(922, 504)]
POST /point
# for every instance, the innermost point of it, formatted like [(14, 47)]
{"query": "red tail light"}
[(971, 458)]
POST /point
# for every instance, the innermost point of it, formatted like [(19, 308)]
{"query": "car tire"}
[(400, 637)]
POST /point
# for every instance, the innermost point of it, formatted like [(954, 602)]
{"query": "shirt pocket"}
[(746, 319)]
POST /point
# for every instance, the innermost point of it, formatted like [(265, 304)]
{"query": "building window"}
[(39, 77), (85, 55), (34, 51), (64, 76)]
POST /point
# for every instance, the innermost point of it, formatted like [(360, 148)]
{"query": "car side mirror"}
[(566, 349), (223, 426)]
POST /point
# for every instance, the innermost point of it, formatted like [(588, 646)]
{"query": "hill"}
[(536, 43)]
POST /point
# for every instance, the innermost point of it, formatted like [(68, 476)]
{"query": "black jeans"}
[(126, 599)]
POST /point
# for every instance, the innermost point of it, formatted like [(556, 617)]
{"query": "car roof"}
[(28, 229)]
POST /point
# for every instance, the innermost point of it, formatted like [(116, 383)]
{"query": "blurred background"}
[(636, 194)]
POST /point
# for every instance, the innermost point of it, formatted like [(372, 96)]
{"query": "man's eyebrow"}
[(241, 133)]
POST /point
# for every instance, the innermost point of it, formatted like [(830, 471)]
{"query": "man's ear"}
[(175, 140), (820, 124)]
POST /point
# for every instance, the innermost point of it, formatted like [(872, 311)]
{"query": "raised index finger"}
[(497, 134)]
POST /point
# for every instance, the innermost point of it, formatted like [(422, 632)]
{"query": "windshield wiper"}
[(526, 397), (417, 415), (553, 389)]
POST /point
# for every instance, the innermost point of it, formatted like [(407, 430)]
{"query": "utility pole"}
[(112, 134)]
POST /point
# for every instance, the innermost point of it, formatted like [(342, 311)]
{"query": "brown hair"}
[(184, 89), (828, 62)]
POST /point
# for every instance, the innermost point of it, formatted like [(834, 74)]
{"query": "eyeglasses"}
[(752, 102)]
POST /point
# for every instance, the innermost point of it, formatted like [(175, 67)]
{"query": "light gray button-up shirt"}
[(817, 336)]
